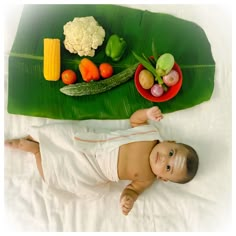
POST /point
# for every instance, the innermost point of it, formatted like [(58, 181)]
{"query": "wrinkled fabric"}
[(83, 160)]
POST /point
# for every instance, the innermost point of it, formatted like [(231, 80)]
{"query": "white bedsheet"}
[(201, 205)]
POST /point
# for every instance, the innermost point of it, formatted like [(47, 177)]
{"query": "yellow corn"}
[(51, 59)]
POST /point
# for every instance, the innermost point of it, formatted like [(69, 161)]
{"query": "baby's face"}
[(168, 161)]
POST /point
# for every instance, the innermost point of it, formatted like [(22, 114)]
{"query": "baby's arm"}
[(140, 117), (131, 193)]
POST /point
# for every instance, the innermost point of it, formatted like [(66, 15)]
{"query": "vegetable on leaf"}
[(51, 59), (115, 47), (83, 88), (106, 70), (68, 76), (83, 36), (88, 70)]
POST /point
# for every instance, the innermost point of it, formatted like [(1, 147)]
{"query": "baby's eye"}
[(168, 168), (171, 153)]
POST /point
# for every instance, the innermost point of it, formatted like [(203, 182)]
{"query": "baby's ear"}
[(171, 141), (163, 179)]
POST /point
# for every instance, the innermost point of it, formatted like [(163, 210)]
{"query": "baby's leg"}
[(39, 164), (27, 144)]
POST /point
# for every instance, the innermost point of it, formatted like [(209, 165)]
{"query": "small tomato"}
[(68, 77), (106, 70)]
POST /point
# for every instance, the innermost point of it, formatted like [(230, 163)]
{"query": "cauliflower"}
[(83, 35)]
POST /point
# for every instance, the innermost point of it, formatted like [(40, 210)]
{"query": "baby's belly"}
[(133, 163)]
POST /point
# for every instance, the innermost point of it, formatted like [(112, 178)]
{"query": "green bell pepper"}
[(115, 47)]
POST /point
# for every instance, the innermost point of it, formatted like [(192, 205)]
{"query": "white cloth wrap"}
[(83, 160)]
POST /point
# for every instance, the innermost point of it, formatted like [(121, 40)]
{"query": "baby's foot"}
[(26, 144)]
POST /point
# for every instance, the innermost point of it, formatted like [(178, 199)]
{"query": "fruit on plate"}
[(68, 77), (146, 79), (157, 90), (164, 64), (171, 78)]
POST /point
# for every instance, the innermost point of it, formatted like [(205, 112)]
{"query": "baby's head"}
[(176, 162)]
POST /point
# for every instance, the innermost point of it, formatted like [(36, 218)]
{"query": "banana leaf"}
[(30, 94)]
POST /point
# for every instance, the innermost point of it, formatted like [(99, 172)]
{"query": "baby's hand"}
[(154, 113), (126, 204)]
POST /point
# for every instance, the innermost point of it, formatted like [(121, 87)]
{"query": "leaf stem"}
[(154, 51)]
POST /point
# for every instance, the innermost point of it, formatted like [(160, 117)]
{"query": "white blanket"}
[(204, 204)]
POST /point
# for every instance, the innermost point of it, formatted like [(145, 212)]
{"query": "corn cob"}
[(51, 59)]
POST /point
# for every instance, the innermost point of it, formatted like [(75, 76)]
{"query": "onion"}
[(157, 90)]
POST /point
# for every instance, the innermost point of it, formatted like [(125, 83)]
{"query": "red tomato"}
[(68, 77), (106, 70)]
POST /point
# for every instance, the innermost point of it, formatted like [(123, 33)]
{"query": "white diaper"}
[(83, 160)]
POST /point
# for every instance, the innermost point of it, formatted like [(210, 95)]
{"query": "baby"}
[(80, 158)]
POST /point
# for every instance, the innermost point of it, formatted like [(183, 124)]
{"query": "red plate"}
[(172, 90)]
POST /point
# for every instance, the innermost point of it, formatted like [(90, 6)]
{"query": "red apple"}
[(171, 78)]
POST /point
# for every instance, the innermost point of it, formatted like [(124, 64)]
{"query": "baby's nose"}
[(163, 158)]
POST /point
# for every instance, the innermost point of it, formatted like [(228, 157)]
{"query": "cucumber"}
[(90, 88)]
